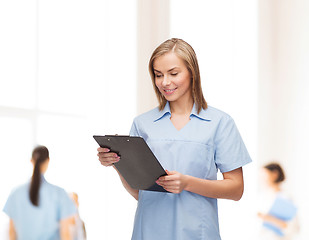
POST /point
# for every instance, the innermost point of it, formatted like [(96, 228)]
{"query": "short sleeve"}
[(10, 206), (134, 131), (230, 150), (66, 206)]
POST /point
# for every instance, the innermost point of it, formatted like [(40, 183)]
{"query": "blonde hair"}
[(184, 51)]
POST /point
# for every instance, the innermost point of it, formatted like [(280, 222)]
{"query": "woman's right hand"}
[(106, 157)]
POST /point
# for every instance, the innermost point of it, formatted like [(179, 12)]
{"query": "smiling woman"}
[(172, 78), (191, 141), (175, 76), (185, 63)]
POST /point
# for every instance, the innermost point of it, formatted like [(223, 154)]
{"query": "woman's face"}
[(172, 78)]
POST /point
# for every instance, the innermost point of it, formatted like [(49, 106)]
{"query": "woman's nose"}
[(166, 81)]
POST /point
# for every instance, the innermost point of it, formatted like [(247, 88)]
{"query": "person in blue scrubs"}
[(192, 141), (39, 210), (278, 212)]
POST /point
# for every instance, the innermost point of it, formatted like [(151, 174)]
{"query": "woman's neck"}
[(181, 107), (275, 187)]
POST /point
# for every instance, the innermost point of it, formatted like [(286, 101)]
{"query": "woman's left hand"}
[(173, 182)]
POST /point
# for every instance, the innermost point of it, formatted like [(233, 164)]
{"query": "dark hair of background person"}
[(275, 167), (184, 51), (39, 155)]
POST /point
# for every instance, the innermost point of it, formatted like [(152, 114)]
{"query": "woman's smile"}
[(169, 91)]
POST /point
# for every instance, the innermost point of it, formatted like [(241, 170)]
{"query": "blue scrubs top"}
[(42, 222), (210, 141)]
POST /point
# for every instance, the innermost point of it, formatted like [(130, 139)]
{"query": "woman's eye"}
[(174, 74), (158, 75)]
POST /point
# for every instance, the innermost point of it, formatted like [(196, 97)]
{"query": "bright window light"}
[(68, 71)]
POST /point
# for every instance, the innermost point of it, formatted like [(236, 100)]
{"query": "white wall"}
[(66, 67), (153, 29), (284, 94)]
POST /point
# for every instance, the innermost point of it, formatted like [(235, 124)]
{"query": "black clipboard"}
[(138, 165)]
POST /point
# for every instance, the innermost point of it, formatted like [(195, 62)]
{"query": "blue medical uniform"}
[(208, 142), (42, 222)]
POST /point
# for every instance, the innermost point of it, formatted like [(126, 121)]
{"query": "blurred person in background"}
[(39, 210), (277, 211), (77, 227)]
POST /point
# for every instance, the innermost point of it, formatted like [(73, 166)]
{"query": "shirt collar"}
[(166, 110), (43, 179), (203, 115)]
